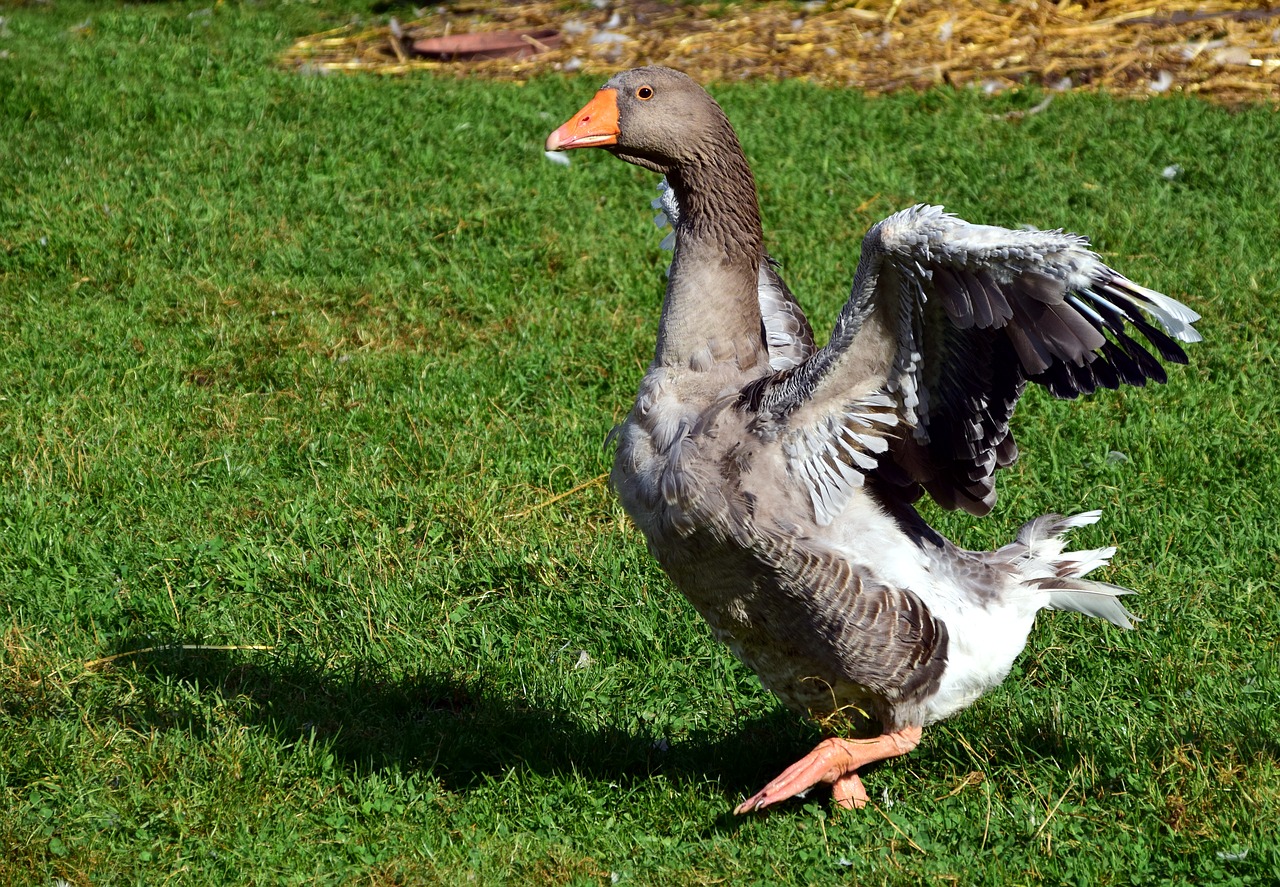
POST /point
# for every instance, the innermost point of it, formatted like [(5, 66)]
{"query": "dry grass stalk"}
[(1228, 50)]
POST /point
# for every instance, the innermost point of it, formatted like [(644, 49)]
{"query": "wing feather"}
[(831, 613), (832, 458), (951, 320)]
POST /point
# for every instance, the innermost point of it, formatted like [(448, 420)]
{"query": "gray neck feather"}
[(711, 300)]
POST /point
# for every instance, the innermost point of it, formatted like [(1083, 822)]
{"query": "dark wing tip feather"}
[(1116, 308), (1168, 348), (981, 311), (1071, 338)]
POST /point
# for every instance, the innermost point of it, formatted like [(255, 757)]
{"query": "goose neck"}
[(711, 313)]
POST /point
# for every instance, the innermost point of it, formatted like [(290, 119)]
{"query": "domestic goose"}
[(775, 481)]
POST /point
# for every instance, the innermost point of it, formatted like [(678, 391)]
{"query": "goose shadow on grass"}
[(464, 734), (460, 731)]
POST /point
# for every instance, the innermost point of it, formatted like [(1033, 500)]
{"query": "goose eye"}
[(644, 93)]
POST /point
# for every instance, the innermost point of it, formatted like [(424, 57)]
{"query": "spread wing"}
[(946, 323), (788, 336)]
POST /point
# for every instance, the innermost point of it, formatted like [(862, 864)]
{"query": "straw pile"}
[(1224, 49)]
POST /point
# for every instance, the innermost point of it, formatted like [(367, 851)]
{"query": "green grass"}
[(293, 361)]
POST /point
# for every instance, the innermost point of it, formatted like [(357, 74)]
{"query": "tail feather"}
[(1080, 563), (1048, 529), (1100, 599), (1038, 555)]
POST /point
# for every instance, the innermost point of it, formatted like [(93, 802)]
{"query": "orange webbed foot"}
[(834, 761), (849, 792)]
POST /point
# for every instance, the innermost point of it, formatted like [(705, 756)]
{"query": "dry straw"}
[(1229, 51)]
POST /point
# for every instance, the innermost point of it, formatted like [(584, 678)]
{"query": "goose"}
[(775, 482)]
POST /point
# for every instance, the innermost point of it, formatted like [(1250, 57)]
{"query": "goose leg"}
[(835, 761)]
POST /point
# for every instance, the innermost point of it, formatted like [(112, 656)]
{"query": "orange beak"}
[(592, 127)]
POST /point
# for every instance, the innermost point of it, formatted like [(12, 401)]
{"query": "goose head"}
[(663, 121), (653, 117)]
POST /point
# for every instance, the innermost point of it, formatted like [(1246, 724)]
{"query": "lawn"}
[(308, 570)]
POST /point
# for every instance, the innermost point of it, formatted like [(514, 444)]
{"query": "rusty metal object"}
[(488, 45)]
